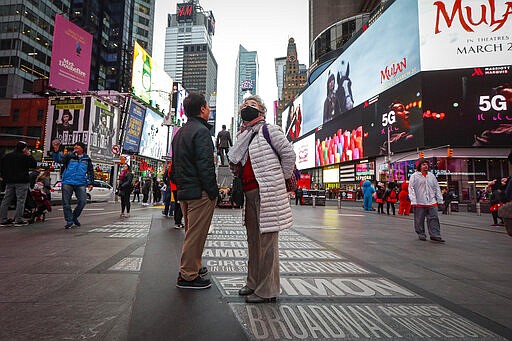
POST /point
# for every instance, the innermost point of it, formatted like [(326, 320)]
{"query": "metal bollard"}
[(314, 201), (449, 209), (339, 202), (478, 210)]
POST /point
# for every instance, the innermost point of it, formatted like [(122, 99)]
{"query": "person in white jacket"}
[(425, 195), (264, 158)]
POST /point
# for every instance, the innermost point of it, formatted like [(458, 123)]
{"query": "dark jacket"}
[(224, 139), (193, 168), (15, 167), (126, 185)]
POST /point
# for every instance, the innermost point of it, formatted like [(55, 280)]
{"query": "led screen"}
[(293, 119), (305, 152), (133, 128), (103, 128), (386, 54), (154, 136), (468, 107), (469, 33)]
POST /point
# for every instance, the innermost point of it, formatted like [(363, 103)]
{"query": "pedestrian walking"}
[(77, 176), (497, 198), (390, 197), (264, 158), (157, 194), (447, 199), (223, 144), (136, 191), (166, 195), (379, 197), (14, 170), (298, 196), (425, 196), (146, 187), (193, 172), (125, 189)]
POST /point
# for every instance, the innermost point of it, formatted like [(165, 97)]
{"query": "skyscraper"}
[(188, 43), (246, 78)]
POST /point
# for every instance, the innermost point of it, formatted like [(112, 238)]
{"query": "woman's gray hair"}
[(258, 100)]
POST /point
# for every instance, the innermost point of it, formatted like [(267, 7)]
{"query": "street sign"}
[(116, 149)]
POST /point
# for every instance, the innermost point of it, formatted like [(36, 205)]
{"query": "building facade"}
[(189, 27), (200, 69), (246, 78)]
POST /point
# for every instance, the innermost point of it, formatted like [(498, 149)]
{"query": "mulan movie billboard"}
[(103, 128), (468, 107), (133, 128), (386, 54), (68, 120), (292, 118), (397, 115)]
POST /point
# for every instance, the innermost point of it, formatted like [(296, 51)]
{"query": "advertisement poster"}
[(71, 56), (180, 118), (142, 71), (469, 33), (305, 152), (293, 118), (154, 136), (68, 120), (398, 111), (386, 54), (481, 98), (133, 128), (340, 140), (103, 128)]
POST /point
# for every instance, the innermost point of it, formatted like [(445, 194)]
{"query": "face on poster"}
[(133, 128), (103, 130), (469, 33), (305, 152), (154, 136), (71, 56), (398, 111), (293, 127), (181, 118), (340, 140), (479, 97), (67, 121), (386, 54)]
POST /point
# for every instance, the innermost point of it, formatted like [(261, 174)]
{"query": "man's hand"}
[(89, 187)]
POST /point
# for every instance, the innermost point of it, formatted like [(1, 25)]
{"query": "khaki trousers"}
[(263, 267), (198, 215)]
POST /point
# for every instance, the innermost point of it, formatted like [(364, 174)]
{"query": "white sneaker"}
[(127, 215), (122, 215)]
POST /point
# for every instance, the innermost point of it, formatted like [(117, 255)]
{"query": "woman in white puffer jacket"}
[(267, 207)]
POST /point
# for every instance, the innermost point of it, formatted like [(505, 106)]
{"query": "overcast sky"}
[(259, 25)]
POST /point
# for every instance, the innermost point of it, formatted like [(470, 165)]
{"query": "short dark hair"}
[(21, 145), (193, 104), (81, 144), (68, 113), (223, 126), (420, 162)]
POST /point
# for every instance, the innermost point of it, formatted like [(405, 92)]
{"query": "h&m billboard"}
[(71, 56)]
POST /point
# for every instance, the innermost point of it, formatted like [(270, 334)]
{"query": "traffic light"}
[(422, 155), (38, 144), (449, 152)]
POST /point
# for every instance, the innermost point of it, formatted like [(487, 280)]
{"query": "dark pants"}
[(298, 200), (392, 204), (223, 150), (125, 202), (178, 215), (434, 228), (136, 194)]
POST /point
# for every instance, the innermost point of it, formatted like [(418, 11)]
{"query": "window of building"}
[(16, 115), (12, 130), (40, 115), (34, 131)]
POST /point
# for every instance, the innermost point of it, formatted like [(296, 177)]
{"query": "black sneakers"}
[(197, 283), (203, 271), (21, 223), (437, 239), (76, 222)]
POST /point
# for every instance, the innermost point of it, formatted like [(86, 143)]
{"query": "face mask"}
[(249, 113)]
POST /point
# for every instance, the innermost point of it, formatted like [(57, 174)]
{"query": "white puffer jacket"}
[(275, 210)]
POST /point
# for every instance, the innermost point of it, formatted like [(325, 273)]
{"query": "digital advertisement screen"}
[(398, 110), (154, 136), (340, 140), (468, 107), (469, 33), (331, 175), (103, 128), (133, 128), (142, 72), (68, 120), (293, 119), (376, 61), (161, 89), (180, 118), (305, 152), (71, 56)]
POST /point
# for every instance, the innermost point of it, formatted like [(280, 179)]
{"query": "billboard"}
[(71, 56), (469, 33), (292, 119), (184, 12), (305, 152), (104, 128), (373, 63), (67, 120), (398, 111), (180, 118), (481, 98), (340, 140), (141, 75), (154, 136), (133, 128)]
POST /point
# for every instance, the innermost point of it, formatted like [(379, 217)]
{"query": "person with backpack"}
[(263, 158), (379, 197)]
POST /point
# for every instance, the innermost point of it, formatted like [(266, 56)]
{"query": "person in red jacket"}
[(405, 204)]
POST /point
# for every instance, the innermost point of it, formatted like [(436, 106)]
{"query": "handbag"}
[(291, 182)]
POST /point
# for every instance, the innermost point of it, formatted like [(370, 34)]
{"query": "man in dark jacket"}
[(223, 143), (78, 175), (193, 172), (15, 173)]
